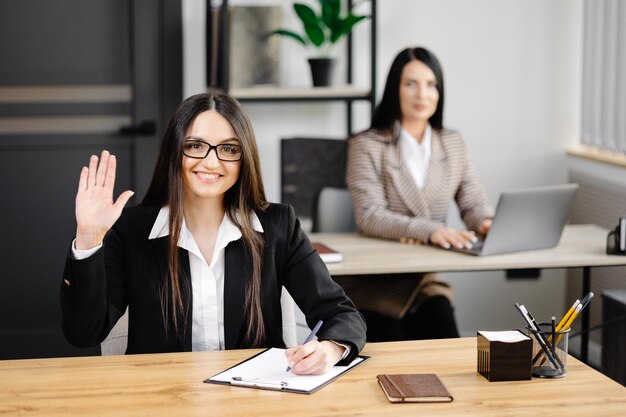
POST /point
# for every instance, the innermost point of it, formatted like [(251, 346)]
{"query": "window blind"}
[(604, 75)]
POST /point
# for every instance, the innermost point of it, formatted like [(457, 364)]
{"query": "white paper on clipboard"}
[(268, 370)]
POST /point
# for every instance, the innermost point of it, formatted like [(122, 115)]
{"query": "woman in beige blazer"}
[(403, 173)]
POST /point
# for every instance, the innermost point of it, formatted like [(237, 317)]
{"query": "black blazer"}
[(128, 271)]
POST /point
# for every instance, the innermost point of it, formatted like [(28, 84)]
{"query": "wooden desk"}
[(171, 385), (580, 246)]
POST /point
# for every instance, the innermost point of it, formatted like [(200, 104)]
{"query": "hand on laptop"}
[(485, 226), (447, 237)]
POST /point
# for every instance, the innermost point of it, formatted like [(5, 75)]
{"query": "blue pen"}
[(310, 336)]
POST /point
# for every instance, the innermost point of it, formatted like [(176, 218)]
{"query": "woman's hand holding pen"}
[(314, 357), (95, 210)]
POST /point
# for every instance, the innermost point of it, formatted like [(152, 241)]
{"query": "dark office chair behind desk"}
[(307, 166)]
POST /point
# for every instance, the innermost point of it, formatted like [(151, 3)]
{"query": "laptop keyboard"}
[(478, 245)]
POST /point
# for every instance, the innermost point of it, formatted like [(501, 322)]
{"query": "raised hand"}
[(95, 210)]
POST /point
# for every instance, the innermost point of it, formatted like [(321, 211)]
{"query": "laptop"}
[(527, 219)]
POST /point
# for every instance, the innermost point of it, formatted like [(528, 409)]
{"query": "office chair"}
[(290, 328), (308, 165), (117, 340), (333, 211)]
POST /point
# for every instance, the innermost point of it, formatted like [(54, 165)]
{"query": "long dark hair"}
[(246, 196), (388, 110)]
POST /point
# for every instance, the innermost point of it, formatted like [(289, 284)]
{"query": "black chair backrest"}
[(307, 166)]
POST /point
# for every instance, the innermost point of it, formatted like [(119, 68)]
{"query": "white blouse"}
[(416, 155)]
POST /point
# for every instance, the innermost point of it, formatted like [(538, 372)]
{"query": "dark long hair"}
[(388, 110), (246, 196)]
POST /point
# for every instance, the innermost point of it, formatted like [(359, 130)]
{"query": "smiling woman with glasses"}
[(200, 263)]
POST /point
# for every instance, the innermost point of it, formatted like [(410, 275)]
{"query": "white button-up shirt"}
[(416, 155), (207, 280)]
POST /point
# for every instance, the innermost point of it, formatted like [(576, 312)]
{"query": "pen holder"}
[(549, 351)]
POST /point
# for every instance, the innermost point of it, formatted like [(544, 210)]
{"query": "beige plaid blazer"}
[(388, 204)]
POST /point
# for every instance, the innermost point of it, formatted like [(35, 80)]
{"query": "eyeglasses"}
[(199, 149)]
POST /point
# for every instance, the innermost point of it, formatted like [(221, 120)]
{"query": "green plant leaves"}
[(344, 27), (312, 24), (330, 12), (327, 27), (290, 34), (305, 13)]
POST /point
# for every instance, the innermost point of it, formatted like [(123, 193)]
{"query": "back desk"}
[(581, 246), (171, 385)]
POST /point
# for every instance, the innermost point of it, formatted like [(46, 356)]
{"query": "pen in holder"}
[(550, 360)]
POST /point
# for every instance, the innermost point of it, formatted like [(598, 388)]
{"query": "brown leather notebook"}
[(413, 388)]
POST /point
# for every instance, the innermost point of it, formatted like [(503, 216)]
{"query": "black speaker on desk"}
[(308, 165), (614, 335)]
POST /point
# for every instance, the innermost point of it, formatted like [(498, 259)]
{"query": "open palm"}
[(96, 212)]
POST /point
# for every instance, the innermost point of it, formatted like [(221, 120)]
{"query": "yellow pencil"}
[(570, 321), (567, 315), (559, 327), (566, 326), (582, 305)]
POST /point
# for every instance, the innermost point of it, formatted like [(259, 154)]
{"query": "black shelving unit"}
[(347, 94)]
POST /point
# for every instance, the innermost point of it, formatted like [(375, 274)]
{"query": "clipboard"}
[(267, 370)]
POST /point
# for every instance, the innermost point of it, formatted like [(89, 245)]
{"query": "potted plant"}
[(322, 30)]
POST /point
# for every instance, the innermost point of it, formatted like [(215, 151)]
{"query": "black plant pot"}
[(321, 71)]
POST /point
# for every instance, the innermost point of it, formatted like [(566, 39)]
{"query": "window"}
[(604, 75)]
